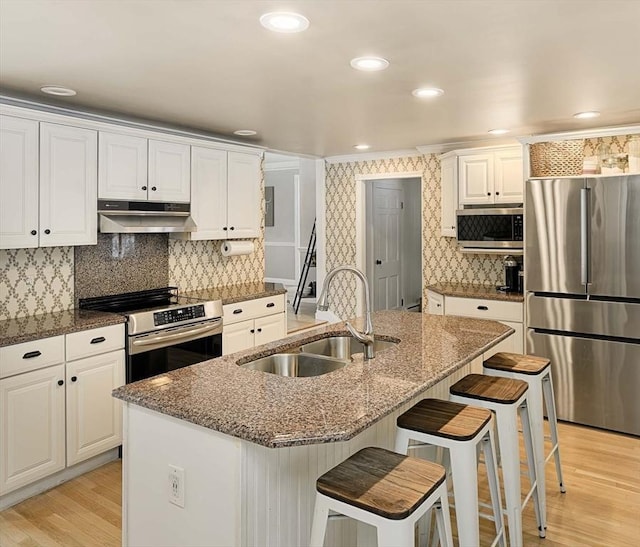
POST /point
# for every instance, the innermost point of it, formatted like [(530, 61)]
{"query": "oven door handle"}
[(184, 335)]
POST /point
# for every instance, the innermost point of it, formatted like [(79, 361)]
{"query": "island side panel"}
[(278, 484), (212, 467)]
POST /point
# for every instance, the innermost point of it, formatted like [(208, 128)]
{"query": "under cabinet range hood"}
[(143, 217)]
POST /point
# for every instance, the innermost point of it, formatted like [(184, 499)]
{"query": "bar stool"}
[(536, 371), (459, 428), (386, 490), (507, 398)]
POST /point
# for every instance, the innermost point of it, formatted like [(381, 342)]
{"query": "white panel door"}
[(238, 336), (509, 172), (208, 192), (449, 203), (31, 427), (94, 417), (18, 183), (387, 245), (169, 172), (476, 178), (244, 193), (68, 185), (270, 328), (122, 165)]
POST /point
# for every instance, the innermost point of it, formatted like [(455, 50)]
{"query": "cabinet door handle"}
[(437, 305), (252, 331), (74, 378), (47, 231), (33, 232), (378, 262), (144, 187), (60, 382), (232, 228), (497, 193), (31, 354), (483, 308), (236, 312), (259, 330), (224, 228), (270, 305), (153, 188), (98, 340), (488, 193)]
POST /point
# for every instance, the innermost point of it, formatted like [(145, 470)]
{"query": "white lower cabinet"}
[(32, 431), (54, 415), (94, 417), (507, 313), (253, 322)]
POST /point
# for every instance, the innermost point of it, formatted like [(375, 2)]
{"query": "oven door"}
[(155, 353)]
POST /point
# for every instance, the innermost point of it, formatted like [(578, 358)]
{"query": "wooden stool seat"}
[(517, 363), (382, 482), (445, 419), (489, 388)]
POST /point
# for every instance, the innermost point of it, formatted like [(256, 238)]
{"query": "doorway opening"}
[(392, 249)]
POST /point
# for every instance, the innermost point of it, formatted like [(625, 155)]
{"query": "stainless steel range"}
[(164, 331)]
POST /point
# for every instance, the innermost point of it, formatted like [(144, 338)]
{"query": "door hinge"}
[(402, 205), (402, 301)]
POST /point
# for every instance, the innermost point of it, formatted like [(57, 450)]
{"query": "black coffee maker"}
[(512, 278)]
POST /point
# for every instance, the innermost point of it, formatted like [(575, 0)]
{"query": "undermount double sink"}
[(315, 358)]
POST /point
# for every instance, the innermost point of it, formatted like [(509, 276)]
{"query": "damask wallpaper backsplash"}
[(441, 260)]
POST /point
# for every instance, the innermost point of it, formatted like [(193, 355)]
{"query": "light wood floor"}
[(601, 506)]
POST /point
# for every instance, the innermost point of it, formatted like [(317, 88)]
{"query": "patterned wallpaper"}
[(34, 281), (441, 260)]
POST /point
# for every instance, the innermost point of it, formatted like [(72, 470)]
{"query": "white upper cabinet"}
[(169, 177), (491, 176), (18, 183), (139, 169), (243, 195), (208, 192), (68, 185), (225, 194), (122, 170), (449, 200)]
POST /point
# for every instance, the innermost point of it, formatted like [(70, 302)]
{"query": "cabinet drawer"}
[(28, 356), (485, 309), (435, 303), (95, 341), (251, 309)]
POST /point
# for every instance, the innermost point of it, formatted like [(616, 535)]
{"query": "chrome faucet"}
[(365, 337)]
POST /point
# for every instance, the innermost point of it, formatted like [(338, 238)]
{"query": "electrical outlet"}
[(176, 485)]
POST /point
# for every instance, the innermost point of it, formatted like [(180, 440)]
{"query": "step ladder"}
[(309, 260)]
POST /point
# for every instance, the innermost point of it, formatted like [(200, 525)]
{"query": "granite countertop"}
[(277, 411), (469, 290), (34, 327), (231, 294)]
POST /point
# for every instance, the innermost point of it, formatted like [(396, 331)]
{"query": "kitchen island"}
[(251, 444)]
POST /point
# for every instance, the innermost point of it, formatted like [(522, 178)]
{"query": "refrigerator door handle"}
[(585, 236)]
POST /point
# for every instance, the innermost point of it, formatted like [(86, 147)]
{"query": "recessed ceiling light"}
[(369, 64), (498, 131), (587, 115), (423, 92), (245, 132), (362, 147), (58, 90), (284, 21)]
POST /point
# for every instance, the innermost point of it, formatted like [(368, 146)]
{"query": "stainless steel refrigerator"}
[(582, 275)]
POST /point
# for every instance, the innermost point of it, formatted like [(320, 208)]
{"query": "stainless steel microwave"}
[(490, 228)]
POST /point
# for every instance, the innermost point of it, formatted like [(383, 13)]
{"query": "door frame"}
[(361, 220)]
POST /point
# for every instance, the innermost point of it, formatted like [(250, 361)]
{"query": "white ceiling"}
[(527, 65)]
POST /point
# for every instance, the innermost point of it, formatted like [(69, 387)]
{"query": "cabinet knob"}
[(144, 187), (483, 308), (60, 382), (252, 331), (497, 193), (378, 262), (33, 232), (153, 188), (488, 193), (47, 231), (259, 330), (74, 378), (232, 228), (224, 228)]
